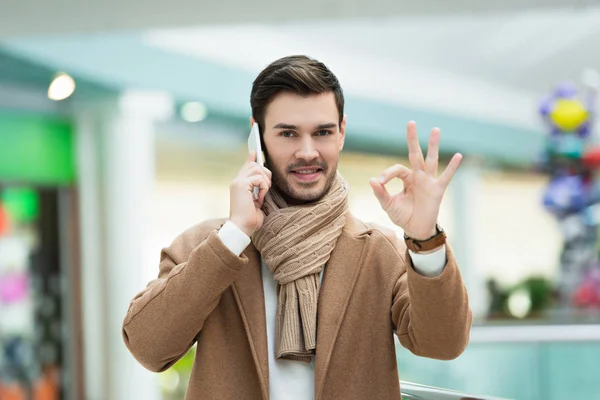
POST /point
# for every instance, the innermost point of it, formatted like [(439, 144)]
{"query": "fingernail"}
[(381, 179)]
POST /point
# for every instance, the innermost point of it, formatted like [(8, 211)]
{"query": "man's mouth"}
[(307, 171), (307, 174)]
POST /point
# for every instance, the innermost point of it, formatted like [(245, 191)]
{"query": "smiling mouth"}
[(308, 171), (307, 175)]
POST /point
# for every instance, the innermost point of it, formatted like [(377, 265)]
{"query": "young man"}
[(292, 297)]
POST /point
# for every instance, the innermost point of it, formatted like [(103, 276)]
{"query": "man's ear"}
[(342, 132)]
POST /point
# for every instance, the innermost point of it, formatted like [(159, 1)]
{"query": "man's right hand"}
[(244, 211)]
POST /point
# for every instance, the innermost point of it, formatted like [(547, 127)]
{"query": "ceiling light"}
[(193, 111), (61, 87)]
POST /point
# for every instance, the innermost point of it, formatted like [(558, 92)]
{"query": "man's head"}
[(299, 106)]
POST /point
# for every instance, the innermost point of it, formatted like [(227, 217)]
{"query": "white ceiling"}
[(32, 17), (491, 61), (493, 67)]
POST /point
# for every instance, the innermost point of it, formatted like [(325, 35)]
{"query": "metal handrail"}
[(416, 391)]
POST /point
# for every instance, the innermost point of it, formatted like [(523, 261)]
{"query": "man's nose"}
[(307, 150)]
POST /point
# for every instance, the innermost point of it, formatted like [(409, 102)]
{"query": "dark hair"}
[(301, 75)]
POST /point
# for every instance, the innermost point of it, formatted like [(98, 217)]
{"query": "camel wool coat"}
[(206, 295)]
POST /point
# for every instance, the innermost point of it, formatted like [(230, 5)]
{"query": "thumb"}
[(251, 156), (380, 192)]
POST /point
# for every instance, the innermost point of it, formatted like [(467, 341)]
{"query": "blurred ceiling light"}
[(193, 111), (62, 86)]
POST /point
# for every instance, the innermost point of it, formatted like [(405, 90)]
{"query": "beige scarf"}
[(295, 242)]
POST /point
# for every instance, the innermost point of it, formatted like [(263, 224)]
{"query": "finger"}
[(267, 171), (450, 170), (261, 182), (415, 155), (395, 171), (249, 160), (255, 169), (380, 192), (262, 193), (431, 162)]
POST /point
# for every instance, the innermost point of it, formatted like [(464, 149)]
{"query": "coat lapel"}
[(249, 295), (339, 280)]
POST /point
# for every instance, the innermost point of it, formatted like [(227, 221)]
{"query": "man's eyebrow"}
[(327, 126), (282, 125)]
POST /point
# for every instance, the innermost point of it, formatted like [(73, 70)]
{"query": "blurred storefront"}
[(74, 172), (39, 342)]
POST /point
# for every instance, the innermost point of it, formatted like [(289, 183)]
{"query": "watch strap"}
[(432, 243)]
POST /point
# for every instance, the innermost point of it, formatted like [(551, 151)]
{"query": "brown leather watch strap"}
[(433, 242)]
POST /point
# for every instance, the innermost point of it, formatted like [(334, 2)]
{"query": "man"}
[(292, 297)]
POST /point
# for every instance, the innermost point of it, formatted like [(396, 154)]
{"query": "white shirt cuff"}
[(233, 238), (431, 264)]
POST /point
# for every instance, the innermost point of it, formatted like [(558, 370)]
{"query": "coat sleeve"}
[(432, 316), (164, 320)]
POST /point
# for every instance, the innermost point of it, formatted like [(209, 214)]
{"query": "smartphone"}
[(254, 145)]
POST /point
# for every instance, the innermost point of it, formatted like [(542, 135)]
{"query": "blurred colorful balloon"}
[(588, 292), (565, 193), (591, 158), (569, 146), (566, 90), (565, 112), (569, 114)]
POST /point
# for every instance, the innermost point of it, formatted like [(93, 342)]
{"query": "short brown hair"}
[(299, 74)]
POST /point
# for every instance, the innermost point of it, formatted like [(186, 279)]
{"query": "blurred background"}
[(123, 123)]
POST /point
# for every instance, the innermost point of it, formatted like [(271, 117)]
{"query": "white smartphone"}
[(254, 145)]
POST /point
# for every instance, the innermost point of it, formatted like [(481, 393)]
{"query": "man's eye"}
[(324, 132), (287, 133)]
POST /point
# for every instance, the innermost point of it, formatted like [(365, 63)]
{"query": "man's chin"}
[(299, 195)]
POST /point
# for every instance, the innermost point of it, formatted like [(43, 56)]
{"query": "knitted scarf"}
[(295, 242)]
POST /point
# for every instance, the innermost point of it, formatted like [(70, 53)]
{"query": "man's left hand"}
[(415, 209)]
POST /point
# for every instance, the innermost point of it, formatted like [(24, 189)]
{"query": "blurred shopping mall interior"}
[(123, 123)]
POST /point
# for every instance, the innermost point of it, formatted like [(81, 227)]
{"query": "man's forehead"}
[(302, 111)]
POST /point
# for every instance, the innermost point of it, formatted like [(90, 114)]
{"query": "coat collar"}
[(339, 279)]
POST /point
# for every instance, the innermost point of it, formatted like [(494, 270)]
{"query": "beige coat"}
[(207, 295)]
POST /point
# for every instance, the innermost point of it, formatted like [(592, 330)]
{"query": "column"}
[(465, 187), (115, 145)]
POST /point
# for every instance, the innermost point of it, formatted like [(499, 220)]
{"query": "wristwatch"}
[(433, 242)]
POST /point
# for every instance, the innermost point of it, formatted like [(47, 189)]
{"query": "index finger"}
[(395, 171), (251, 159)]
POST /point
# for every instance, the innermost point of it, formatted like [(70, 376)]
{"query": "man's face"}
[(303, 140)]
